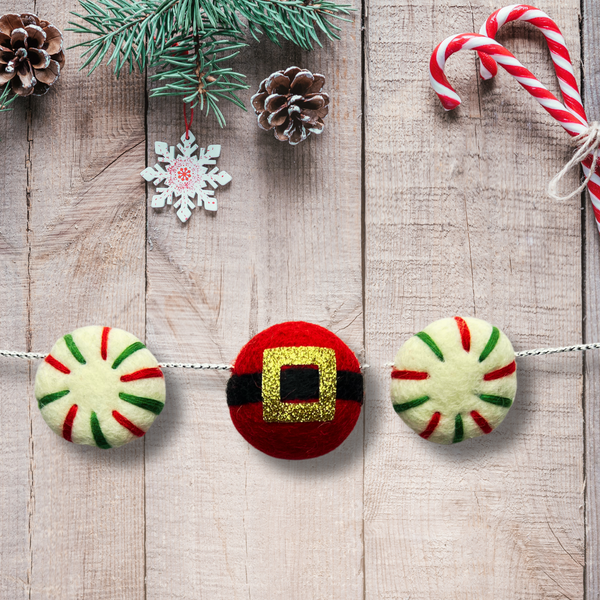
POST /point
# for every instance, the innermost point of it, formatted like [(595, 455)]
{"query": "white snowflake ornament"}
[(185, 176)]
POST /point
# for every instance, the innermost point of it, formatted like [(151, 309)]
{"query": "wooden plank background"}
[(397, 215)]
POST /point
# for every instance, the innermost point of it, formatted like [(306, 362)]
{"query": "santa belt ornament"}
[(296, 389)]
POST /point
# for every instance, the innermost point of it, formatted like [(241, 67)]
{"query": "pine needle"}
[(186, 41)]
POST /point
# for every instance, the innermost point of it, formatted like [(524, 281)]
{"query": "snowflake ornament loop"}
[(185, 176)]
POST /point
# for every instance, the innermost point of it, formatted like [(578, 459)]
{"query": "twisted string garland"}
[(224, 367), (26, 355), (198, 366), (544, 351)]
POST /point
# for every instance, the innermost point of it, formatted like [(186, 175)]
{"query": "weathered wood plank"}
[(458, 222), (591, 72), (15, 431), (223, 520), (87, 267)]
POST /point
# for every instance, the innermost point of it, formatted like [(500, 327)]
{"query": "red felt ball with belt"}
[(296, 391)]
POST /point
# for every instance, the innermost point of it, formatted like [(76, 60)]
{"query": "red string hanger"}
[(571, 115), (187, 125)]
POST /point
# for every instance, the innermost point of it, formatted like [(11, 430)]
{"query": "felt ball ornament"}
[(296, 391), (100, 386), (454, 380)]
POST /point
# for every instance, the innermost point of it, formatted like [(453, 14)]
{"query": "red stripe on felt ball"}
[(503, 372), (143, 374), (293, 333), (483, 424), (68, 424), (465, 334), (57, 365), (413, 375), (125, 422), (433, 423), (295, 441), (104, 344)]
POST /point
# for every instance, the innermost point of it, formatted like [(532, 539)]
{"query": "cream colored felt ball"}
[(100, 386), (454, 380)]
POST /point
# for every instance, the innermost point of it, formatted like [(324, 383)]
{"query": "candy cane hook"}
[(473, 41), (557, 45), (570, 121)]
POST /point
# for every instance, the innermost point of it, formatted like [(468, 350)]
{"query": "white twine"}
[(201, 367), (543, 351), (27, 355), (223, 367), (587, 143)]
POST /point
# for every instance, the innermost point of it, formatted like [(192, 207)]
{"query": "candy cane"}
[(571, 122), (556, 44)]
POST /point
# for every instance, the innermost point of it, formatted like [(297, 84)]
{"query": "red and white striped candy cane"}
[(556, 44), (572, 123)]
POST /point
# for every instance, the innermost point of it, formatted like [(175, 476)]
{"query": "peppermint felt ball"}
[(296, 391), (100, 386), (454, 380)]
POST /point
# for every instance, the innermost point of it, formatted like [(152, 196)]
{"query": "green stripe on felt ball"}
[(100, 386), (454, 380)]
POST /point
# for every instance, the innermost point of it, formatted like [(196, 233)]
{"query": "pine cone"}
[(291, 103), (31, 53)]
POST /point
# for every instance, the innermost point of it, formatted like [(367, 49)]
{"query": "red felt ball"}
[(304, 409)]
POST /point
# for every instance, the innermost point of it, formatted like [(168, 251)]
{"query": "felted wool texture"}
[(293, 333), (95, 387), (293, 441), (297, 384), (454, 386)]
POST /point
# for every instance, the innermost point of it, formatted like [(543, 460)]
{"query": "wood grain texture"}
[(458, 222), (591, 72), (15, 431), (223, 520), (87, 267)]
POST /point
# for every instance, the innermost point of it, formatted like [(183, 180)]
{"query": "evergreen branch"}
[(188, 39), (298, 21), (193, 71), (131, 30), (6, 98)]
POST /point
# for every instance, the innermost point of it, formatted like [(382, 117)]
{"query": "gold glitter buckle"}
[(277, 411)]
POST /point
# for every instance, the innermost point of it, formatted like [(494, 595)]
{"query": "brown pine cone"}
[(31, 53), (291, 103)]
